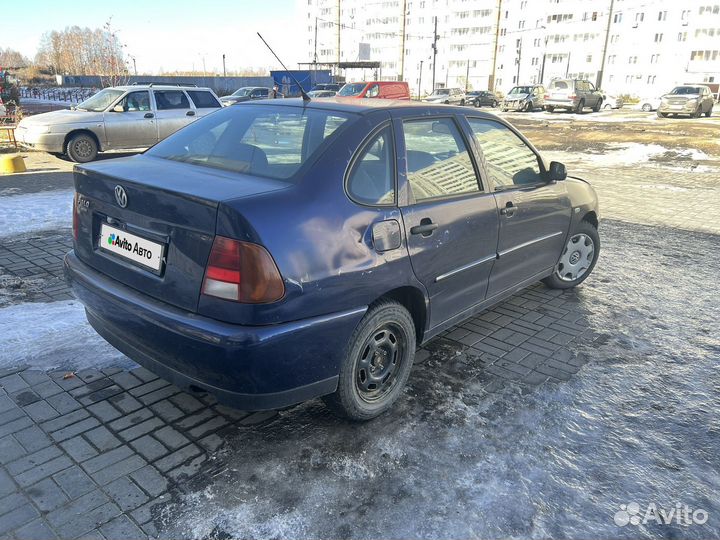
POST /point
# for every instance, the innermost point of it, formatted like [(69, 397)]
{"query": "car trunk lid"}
[(170, 209)]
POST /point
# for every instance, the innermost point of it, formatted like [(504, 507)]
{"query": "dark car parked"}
[(332, 87), (281, 251), (480, 98), (247, 93)]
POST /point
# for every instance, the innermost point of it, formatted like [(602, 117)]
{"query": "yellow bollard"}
[(12, 163)]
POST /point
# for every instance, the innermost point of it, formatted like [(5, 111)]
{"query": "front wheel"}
[(529, 107), (476, 103), (577, 259), (82, 148), (597, 106), (549, 108), (662, 114), (377, 363), (580, 107), (708, 114), (646, 107), (462, 102)]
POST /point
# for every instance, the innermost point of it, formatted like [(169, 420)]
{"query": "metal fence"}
[(68, 95)]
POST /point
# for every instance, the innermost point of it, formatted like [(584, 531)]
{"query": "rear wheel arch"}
[(412, 299)]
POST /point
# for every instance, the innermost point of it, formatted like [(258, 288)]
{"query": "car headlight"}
[(692, 101)]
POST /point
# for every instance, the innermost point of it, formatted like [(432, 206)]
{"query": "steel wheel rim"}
[(646, 108), (381, 359), (576, 258), (83, 148)]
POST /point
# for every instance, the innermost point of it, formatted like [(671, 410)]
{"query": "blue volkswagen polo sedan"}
[(279, 251)]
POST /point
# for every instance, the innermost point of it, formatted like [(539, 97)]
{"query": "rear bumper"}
[(248, 367), (561, 103)]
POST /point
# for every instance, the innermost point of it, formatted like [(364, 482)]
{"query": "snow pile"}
[(35, 212), (52, 336)]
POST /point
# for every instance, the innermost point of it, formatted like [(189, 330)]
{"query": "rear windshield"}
[(559, 85), (265, 140)]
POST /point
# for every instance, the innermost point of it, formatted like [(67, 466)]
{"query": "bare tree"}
[(10, 58), (84, 51)]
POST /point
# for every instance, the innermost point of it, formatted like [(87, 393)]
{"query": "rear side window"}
[(171, 99), (270, 141), (372, 178), (203, 100), (438, 163)]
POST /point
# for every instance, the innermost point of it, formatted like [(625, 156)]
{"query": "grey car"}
[(690, 99), (448, 96), (118, 118), (524, 98), (573, 95), (247, 93)]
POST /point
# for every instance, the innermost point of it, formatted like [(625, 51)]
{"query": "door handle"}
[(149, 115), (190, 113), (425, 228), (509, 209)]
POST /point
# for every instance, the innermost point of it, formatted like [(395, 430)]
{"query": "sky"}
[(172, 34)]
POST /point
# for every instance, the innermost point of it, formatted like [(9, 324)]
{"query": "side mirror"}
[(118, 108), (557, 171)]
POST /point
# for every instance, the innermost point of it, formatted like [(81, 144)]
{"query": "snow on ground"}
[(54, 335), (21, 214), (629, 154)]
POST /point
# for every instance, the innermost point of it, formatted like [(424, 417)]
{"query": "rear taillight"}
[(547, 96), (76, 217), (242, 272), (573, 96)]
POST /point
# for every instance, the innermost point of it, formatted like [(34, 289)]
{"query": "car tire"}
[(82, 148), (646, 107), (698, 112), (447, 102), (597, 106), (708, 114), (549, 108), (462, 102), (476, 103), (607, 106), (577, 259), (662, 114), (529, 107), (384, 340), (580, 107)]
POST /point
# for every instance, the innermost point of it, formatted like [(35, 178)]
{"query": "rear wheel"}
[(82, 148), (578, 258), (529, 107), (597, 106), (662, 114), (377, 363), (549, 108), (580, 106), (646, 107)]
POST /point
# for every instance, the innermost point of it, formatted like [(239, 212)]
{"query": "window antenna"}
[(302, 91)]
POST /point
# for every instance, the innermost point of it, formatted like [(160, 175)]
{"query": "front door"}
[(173, 111), (451, 222), (534, 214), (134, 126)]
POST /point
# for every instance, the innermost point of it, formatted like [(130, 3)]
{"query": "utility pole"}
[(134, 65), (315, 52), (224, 70), (491, 79), (434, 48), (467, 75), (338, 32), (601, 73), (420, 81), (402, 42), (519, 58)]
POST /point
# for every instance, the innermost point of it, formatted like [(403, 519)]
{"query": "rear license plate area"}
[(131, 247)]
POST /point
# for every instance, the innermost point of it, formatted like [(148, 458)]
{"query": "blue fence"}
[(307, 79)]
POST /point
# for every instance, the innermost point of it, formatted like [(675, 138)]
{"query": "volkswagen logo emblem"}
[(120, 196)]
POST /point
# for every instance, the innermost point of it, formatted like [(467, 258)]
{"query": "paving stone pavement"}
[(99, 453)]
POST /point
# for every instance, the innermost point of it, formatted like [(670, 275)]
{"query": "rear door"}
[(450, 220), (173, 111), (204, 102), (534, 214), (135, 126)]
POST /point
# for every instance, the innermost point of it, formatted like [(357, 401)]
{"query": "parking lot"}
[(539, 417)]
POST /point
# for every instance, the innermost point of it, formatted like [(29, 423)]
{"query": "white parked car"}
[(612, 102), (649, 104), (118, 118), (3, 110)]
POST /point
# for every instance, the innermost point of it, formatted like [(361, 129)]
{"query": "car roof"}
[(362, 106), (159, 87)]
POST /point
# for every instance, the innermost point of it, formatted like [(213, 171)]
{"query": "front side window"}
[(509, 161), (204, 100), (352, 89), (269, 141), (171, 99), (372, 178), (136, 101), (373, 91), (438, 162)]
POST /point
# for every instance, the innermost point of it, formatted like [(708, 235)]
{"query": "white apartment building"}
[(651, 44)]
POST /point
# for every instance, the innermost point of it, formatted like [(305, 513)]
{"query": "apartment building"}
[(651, 44)]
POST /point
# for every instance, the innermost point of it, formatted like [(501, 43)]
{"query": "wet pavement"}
[(538, 418)]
